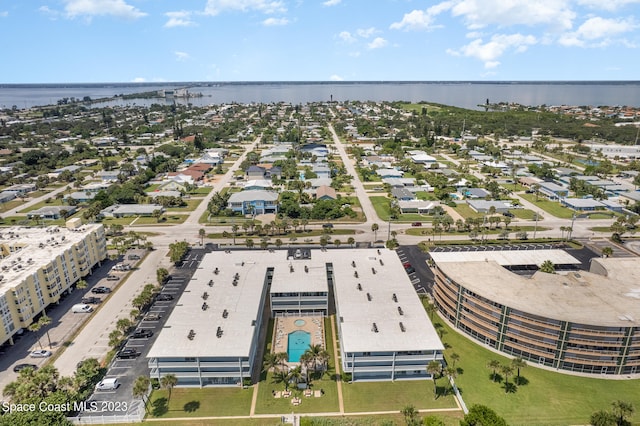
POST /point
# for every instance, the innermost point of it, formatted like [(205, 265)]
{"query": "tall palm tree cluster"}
[(507, 370), (47, 386), (315, 359)]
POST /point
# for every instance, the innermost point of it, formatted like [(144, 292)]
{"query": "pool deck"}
[(286, 325)]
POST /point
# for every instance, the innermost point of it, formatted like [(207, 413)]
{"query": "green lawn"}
[(381, 206), (383, 396), (525, 214), (167, 219), (201, 190), (465, 211), (191, 206), (548, 398), (552, 207), (267, 404), (195, 402), (10, 205), (43, 203)]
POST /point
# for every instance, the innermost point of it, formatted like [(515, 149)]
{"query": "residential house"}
[(389, 173), (174, 185), (421, 157), (255, 172), (81, 196), (6, 196), (195, 175), (109, 176), (257, 184), (326, 193), (321, 170), (253, 202), (128, 210), (582, 204), (402, 194), (483, 206), (51, 212), (155, 194), (418, 206), (473, 193), (553, 190), (318, 182), (22, 188)]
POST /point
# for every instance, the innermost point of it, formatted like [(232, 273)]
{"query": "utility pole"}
[(535, 228)]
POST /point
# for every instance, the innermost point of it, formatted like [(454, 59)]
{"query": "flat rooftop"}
[(25, 250), (241, 303), (579, 297), (507, 257), (373, 302)]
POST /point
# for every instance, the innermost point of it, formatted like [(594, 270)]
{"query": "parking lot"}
[(120, 401), (421, 277), (497, 247)]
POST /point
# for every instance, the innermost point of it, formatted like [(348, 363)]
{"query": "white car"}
[(40, 353)]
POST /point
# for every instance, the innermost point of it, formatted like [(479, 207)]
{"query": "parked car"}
[(100, 290), (19, 367), (91, 300), (127, 353), (508, 214), (108, 384), (141, 333), (40, 353), (133, 257), (112, 277), (406, 265), (81, 308), (410, 270), (163, 297), (152, 317), (416, 224), (327, 225)]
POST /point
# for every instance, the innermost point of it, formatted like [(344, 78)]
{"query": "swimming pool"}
[(297, 343)]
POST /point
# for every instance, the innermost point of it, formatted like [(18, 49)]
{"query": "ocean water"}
[(461, 94)]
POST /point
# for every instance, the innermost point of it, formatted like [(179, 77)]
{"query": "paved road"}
[(361, 193)]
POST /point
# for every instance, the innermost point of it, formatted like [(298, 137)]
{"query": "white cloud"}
[(331, 2), (215, 7), (489, 52), (139, 80), (179, 19), (377, 43), (366, 32), (346, 36), (90, 8), (556, 14), (421, 19), (609, 5), (273, 22), (336, 77), (4, 14), (597, 31), (181, 56)]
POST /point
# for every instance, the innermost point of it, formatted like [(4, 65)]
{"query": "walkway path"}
[(337, 364), (254, 399)]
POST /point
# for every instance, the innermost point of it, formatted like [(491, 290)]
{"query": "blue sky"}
[(58, 41)]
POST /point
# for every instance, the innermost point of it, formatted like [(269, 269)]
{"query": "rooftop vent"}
[(402, 327), (205, 306), (216, 271), (355, 274), (205, 295), (219, 332), (291, 268), (374, 328), (369, 297), (191, 334), (306, 268), (359, 286), (379, 251), (353, 263), (373, 271), (400, 311), (394, 297), (225, 313), (381, 262), (236, 276), (210, 283)]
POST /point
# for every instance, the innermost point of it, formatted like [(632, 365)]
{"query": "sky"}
[(94, 41)]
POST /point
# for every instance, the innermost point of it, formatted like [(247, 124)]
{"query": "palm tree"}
[(307, 360), (270, 360), (281, 377), (506, 370), (249, 242), (295, 375), (622, 410), (282, 359), (602, 418), (201, 234), (45, 321), (35, 327), (351, 241), (454, 357), (168, 382), (548, 267), (493, 365), (374, 228), (451, 373), (410, 415), (234, 229), (124, 324), (140, 388), (518, 363), (431, 309), (607, 251), (434, 368), (82, 284)]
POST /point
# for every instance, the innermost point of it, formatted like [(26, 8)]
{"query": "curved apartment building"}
[(587, 322)]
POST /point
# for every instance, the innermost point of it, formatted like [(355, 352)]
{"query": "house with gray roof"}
[(402, 194), (483, 206), (51, 212), (127, 210), (253, 202)]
